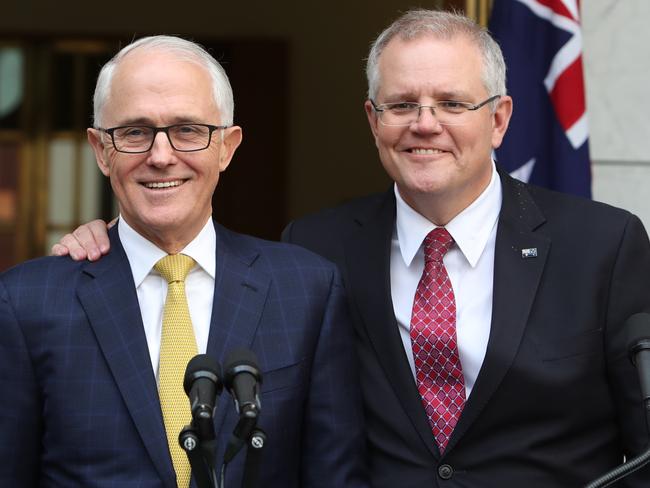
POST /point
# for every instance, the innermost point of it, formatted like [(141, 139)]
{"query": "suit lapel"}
[(240, 293), (517, 274), (368, 252), (108, 296)]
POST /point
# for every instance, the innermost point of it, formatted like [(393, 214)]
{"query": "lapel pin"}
[(530, 252)]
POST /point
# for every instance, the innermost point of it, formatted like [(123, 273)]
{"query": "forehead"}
[(158, 87), (429, 66)]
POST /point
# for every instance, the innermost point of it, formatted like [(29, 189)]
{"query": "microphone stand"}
[(629, 467), (246, 433), (201, 455), (621, 471), (638, 338), (254, 449)]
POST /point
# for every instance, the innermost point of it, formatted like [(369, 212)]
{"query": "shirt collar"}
[(144, 254), (470, 229)]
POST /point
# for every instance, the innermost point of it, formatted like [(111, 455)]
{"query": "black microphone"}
[(242, 379), (638, 340), (638, 344), (637, 330), (203, 384)]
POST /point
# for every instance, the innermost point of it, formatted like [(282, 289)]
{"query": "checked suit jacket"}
[(557, 402), (78, 400)]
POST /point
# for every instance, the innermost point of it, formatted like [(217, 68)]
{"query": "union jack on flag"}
[(547, 142)]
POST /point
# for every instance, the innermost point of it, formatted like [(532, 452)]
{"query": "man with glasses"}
[(488, 313), (93, 355)]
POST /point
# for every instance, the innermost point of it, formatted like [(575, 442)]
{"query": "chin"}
[(425, 186), (164, 220)]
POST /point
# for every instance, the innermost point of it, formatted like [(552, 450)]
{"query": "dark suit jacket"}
[(79, 405), (556, 402)]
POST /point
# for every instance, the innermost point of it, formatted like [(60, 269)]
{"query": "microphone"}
[(638, 340), (637, 330), (202, 383), (242, 379)]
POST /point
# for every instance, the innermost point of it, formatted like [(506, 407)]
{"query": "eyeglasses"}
[(447, 112), (134, 139)]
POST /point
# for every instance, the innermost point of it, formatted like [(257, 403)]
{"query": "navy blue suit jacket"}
[(557, 401), (78, 400)]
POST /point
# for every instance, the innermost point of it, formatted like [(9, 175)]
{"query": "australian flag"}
[(547, 142)]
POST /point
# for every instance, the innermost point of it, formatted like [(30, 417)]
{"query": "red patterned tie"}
[(438, 370)]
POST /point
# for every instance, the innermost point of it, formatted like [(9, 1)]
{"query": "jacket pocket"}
[(282, 377), (586, 343)]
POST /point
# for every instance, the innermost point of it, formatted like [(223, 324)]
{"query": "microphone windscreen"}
[(239, 357), (637, 331), (238, 361), (201, 365)]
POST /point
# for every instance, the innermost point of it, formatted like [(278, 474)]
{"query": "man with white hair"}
[(489, 314), (93, 355)]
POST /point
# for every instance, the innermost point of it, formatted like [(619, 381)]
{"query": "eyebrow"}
[(148, 122), (411, 96)]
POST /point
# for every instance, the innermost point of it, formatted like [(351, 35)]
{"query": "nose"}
[(162, 152), (427, 121)]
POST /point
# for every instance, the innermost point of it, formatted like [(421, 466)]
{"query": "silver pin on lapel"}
[(530, 252)]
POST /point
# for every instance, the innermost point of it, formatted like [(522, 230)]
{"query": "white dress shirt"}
[(469, 263), (152, 288)]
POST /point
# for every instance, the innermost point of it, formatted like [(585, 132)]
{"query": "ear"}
[(373, 118), (95, 140), (501, 120), (232, 137)]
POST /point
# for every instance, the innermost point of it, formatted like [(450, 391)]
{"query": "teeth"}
[(425, 151), (166, 184)]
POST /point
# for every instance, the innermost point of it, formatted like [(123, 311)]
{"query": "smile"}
[(419, 150), (164, 184)]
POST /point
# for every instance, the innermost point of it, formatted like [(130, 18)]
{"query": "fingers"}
[(88, 241), (69, 245), (60, 249), (99, 230)]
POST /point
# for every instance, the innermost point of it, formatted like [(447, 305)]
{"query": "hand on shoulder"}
[(88, 241)]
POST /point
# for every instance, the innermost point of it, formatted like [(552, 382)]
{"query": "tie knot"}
[(436, 244), (174, 267)]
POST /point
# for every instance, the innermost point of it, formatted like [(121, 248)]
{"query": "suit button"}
[(445, 471)]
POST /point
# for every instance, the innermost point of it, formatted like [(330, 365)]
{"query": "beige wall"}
[(617, 71)]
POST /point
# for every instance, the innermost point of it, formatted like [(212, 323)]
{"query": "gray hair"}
[(183, 49), (446, 26)]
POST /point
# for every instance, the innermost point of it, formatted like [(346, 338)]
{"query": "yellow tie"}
[(177, 347)]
